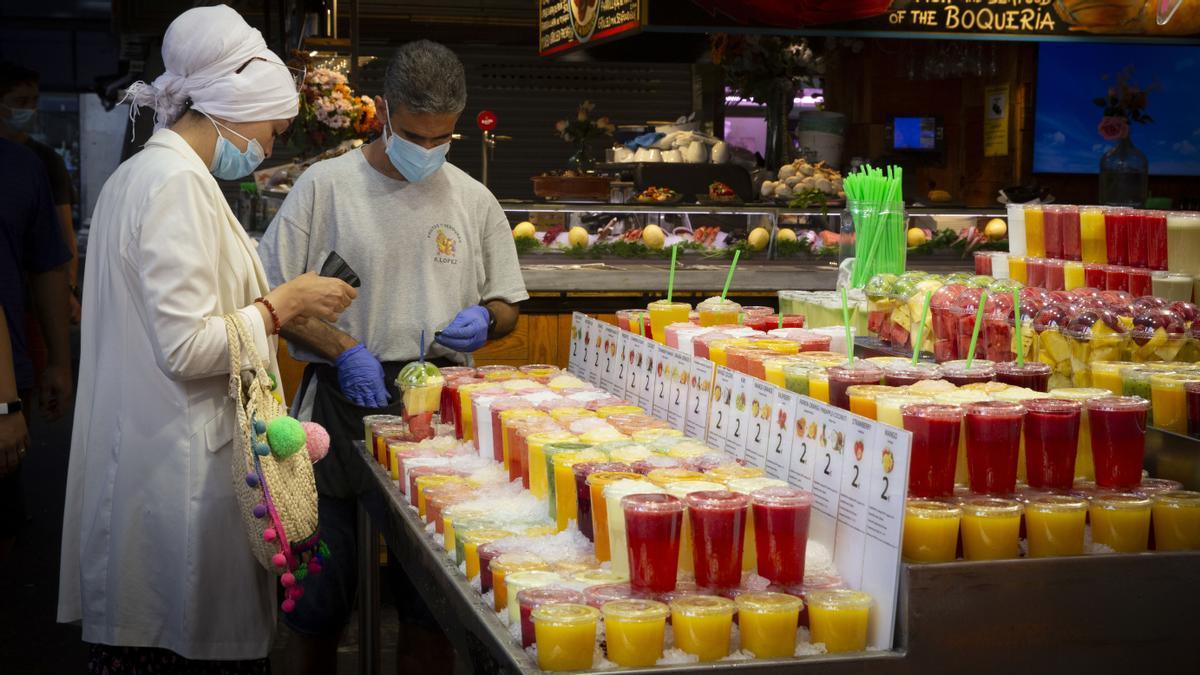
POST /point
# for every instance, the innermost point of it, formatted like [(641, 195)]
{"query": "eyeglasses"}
[(298, 74)]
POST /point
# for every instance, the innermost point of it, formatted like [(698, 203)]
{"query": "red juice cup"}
[(1191, 392), (904, 374), (1137, 239), (1093, 275), (983, 263), (1051, 437), (781, 516), (583, 492), (1054, 280), (789, 321), (451, 395), (1072, 245), (653, 526), (1139, 282), (718, 520), (1116, 278), (631, 319), (1035, 268), (935, 431), (958, 374), (1155, 223), (1033, 375), (1118, 427), (487, 553), (843, 377), (1116, 226), (1052, 232), (532, 598), (597, 596), (993, 444)]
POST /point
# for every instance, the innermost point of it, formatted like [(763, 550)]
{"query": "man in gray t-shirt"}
[(434, 253)]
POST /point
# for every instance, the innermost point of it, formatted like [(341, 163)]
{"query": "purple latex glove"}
[(467, 332), (360, 376)]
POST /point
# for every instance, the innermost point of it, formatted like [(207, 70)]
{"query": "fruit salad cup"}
[(1159, 334), (1094, 335), (942, 311), (880, 305), (420, 386)]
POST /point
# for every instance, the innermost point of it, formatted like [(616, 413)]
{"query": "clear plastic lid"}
[(1030, 368), (748, 486), (1118, 404), (603, 479), (781, 496), (937, 411), (598, 577), (917, 371), (665, 304), (526, 578), (635, 611), (1120, 501), (1059, 407), (870, 391), (662, 477), (767, 603), (651, 503), (565, 615), (862, 372), (1079, 393), (717, 500), (1154, 486), (599, 595), (839, 598), (929, 508), (990, 507), (702, 605), (1177, 499), (1052, 503), (682, 489), (994, 409), (536, 597), (979, 367), (726, 472), (822, 582)]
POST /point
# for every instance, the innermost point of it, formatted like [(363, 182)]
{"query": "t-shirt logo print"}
[(445, 239), (445, 245)]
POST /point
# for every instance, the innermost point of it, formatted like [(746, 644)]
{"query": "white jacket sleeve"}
[(177, 254)]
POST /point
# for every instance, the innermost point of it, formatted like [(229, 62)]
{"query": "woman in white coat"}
[(154, 557)]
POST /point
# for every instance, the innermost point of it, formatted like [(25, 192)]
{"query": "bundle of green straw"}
[(876, 204)]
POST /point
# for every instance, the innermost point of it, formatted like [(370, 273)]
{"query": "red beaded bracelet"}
[(274, 317)]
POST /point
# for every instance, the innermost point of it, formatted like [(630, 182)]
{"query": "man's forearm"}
[(68, 233), (506, 318), (323, 339), (51, 300)]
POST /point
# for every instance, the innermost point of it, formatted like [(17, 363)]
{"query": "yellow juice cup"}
[(774, 369), (1073, 276), (718, 350), (1121, 522), (565, 635), (1035, 242), (610, 410), (863, 396), (506, 564), (728, 472), (768, 623), (838, 618), (629, 454), (887, 407), (465, 394), (507, 419), (1091, 235), (818, 385), (663, 314), (930, 531), (429, 481), (785, 347), (702, 625), (1054, 525), (471, 543), (1017, 269), (664, 477), (634, 631), (564, 415), (1168, 402), (990, 528), (596, 484), (647, 435), (1107, 375), (681, 490), (565, 506), (1176, 520), (538, 478), (747, 486), (717, 312), (515, 582), (1084, 465), (457, 514)]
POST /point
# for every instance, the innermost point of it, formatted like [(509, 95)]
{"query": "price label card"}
[(575, 360), (759, 422), (860, 433), (677, 395), (722, 403), (784, 432), (827, 472), (887, 462), (662, 381), (591, 350), (648, 377), (805, 445), (610, 334), (739, 417), (633, 367), (700, 389), (621, 364)]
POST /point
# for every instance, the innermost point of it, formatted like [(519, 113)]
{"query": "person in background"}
[(19, 91), (33, 265), (435, 253), (155, 562)]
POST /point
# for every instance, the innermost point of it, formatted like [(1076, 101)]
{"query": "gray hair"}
[(426, 77)]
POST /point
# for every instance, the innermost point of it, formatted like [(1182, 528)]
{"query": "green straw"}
[(921, 328), (641, 325), (729, 277), (671, 279), (781, 320), (846, 323), (1017, 325), (975, 333)]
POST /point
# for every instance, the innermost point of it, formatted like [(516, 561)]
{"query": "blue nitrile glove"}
[(360, 376), (645, 140), (467, 332)]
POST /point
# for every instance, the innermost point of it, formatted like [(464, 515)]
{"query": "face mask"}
[(21, 119), (413, 161), (229, 163)]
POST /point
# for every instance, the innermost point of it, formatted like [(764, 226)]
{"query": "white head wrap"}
[(202, 49)]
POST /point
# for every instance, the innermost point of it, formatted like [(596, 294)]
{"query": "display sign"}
[(784, 432), (647, 357), (610, 335), (722, 403), (888, 465), (565, 24), (622, 365), (739, 417), (852, 498), (759, 422), (661, 402), (827, 474), (699, 398), (575, 359), (678, 394)]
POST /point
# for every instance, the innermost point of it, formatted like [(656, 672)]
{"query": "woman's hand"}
[(310, 295), (14, 439)]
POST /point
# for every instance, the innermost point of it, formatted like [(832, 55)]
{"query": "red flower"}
[(1113, 128)]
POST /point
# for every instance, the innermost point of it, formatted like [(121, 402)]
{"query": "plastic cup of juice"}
[(703, 625), (845, 376), (523, 428), (930, 531), (681, 490), (990, 528), (717, 312), (538, 477), (862, 398), (1055, 275), (1033, 375), (818, 384), (1176, 516), (768, 622), (1107, 375), (664, 477), (718, 529), (628, 319), (583, 495), (887, 407), (1054, 525), (1154, 223), (1084, 464), (565, 636), (550, 450), (615, 516), (1172, 286), (838, 618), (957, 372), (774, 369), (1073, 276), (597, 508), (634, 631), (1118, 426), (796, 377), (904, 374), (1051, 442), (1091, 235), (1018, 268), (1121, 521), (993, 445), (516, 581), (565, 509), (663, 314), (1169, 401), (1192, 396), (781, 517), (1116, 228), (530, 599), (653, 527), (511, 564), (748, 486), (1035, 244), (935, 429)]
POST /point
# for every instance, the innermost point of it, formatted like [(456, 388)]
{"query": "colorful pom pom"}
[(286, 436), (279, 560), (260, 427), (297, 591), (252, 480), (262, 449), (269, 534), (259, 510), (288, 605), (288, 580), (278, 397), (317, 440), (274, 381), (314, 567)]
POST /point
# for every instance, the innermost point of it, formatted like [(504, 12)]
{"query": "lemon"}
[(996, 229), (759, 238), (653, 236), (525, 229), (786, 234), (916, 236), (578, 236)]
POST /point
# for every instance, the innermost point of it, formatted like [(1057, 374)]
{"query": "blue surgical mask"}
[(21, 119), (229, 163), (414, 162)]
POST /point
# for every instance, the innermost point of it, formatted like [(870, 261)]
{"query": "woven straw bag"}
[(272, 471)]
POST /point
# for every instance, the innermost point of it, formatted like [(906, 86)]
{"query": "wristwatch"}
[(491, 320), (10, 408)]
